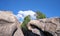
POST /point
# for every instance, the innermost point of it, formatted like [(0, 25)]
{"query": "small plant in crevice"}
[(24, 25)]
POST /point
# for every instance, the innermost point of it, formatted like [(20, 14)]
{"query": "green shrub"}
[(40, 15), (25, 22)]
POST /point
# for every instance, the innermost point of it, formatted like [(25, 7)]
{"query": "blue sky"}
[(49, 7)]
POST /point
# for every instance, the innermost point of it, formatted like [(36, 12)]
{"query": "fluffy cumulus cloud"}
[(21, 14)]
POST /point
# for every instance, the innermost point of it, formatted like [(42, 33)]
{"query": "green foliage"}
[(25, 22), (27, 19), (40, 15)]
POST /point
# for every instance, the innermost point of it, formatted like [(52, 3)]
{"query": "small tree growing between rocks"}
[(40, 15), (24, 25), (25, 22), (25, 30)]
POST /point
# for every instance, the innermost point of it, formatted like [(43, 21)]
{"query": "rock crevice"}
[(10, 26)]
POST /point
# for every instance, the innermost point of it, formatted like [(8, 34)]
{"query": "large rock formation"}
[(9, 25), (51, 25)]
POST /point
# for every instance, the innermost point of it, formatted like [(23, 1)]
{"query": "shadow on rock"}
[(30, 33)]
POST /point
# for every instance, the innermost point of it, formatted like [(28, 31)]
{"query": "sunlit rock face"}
[(50, 25), (9, 24)]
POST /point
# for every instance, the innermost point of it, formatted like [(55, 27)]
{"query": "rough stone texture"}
[(51, 25), (19, 31), (36, 31), (8, 24)]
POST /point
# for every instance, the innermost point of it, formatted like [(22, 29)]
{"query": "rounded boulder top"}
[(7, 15)]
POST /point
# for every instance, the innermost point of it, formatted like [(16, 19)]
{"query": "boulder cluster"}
[(50, 25), (10, 26)]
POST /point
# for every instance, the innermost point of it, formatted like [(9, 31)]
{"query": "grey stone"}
[(51, 25), (8, 24)]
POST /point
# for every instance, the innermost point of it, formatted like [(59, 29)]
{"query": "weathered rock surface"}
[(9, 25), (51, 25), (18, 31)]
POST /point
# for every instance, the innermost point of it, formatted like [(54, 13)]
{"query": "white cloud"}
[(21, 14)]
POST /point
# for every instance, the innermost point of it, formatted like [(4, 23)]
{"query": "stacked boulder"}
[(9, 25), (51, 25)]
